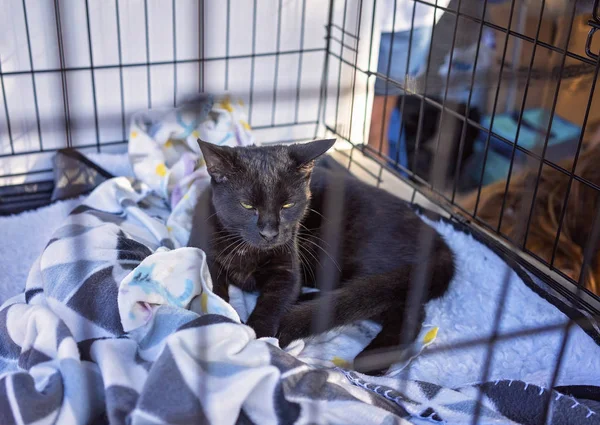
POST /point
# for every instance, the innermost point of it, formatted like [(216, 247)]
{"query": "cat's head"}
[(262, 193)]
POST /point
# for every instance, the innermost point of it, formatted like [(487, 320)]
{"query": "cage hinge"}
[(594, 23)]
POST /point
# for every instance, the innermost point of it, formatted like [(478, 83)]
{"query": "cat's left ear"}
[(305, 153), (219, 160)]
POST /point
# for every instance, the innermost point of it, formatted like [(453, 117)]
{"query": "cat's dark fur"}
[(358, 243)]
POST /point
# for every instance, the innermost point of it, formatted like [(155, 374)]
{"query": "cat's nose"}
[(269, 234)]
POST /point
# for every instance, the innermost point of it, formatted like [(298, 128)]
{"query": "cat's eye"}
[(247, 206), (288, 205)]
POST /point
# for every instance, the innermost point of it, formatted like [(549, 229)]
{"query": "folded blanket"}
[(119, 323)]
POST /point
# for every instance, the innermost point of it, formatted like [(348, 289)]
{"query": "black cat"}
[(272, 221)]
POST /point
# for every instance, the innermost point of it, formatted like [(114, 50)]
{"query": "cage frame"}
[(15, 198)]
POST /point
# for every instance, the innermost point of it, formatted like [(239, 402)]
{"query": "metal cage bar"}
[(331, 117)]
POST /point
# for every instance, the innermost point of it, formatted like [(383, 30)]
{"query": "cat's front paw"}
[(288, 334), (293, 327), (284, 339), (262, 327)]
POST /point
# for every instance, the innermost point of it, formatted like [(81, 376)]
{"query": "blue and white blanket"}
[(119, 323)]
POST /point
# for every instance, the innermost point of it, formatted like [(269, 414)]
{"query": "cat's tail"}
[(371, 297)]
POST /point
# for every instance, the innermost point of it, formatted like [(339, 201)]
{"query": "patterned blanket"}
[(119, 324)]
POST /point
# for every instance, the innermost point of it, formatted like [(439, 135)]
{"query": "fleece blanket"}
[(119, 324), (26, 234)]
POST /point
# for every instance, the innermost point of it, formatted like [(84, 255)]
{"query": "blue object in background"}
[(462, 64), (397, 145), (398, 52), (534, 125), (562, 141), (396, 47)]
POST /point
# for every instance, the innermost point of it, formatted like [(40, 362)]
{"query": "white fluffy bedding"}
[(466, 312)]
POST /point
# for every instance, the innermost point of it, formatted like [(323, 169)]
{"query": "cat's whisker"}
[(237, 238), (239, 251), (226, 258), (307, 229), (303, 225), (222, 232), (322, 249), (304, 260), (308, 250), (313, 274), (225, 234), (320, 239), (229, 231), (210, 216), (318, 213), (234, 253), (221, 268), (304, 265), (243, 249), (218, 256), (223, 239), (311, 252)]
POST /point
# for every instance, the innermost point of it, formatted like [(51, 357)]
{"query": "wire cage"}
[(73, 72)]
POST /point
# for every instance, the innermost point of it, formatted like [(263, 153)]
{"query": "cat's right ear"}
[(219, 160), (305, 154)]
